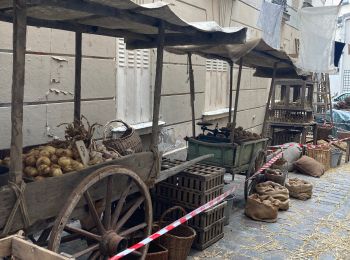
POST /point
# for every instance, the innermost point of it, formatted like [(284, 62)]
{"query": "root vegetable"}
[(39, 178), (45, 153), (77, 165), (44, 169), (43, 161), (50, 149), (31, 171), (67, 168), (64, 153), (54, 172), (64, 162), (30, 160)]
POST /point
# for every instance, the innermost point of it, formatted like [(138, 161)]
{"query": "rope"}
[(20, 202)]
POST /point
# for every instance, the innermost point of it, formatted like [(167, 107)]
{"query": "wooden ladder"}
[(323, 101)]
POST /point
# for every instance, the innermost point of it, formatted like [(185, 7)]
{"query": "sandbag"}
[(309, 166), (276, 191), (262, 208), (299, 189)]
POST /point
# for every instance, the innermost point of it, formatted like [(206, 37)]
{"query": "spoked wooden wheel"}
[(256, 163), (112, 196)]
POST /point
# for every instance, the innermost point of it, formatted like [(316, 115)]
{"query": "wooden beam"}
[(77, 84), (157, 89), (74, 26), (230, 95), (192, 91), (233, 125), (19, 49), (214, 38), (269, 99)]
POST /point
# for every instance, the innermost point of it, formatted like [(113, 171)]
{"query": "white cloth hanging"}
[(317, 34), (270, 21)]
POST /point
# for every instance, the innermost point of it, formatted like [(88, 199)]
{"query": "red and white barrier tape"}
[(174, 224)]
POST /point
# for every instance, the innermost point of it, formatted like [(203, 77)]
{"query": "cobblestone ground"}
[(315, 229)]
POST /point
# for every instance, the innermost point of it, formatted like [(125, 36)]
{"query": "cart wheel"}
[(256, 163), (111, 227)]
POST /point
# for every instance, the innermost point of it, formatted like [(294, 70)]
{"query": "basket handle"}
[(110, 122), (170, 210)]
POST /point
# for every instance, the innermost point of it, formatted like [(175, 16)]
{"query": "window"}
[(346, 81), (216, 85), (134, 88)]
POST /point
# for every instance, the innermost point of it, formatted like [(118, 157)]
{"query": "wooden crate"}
[(201, 221), (17, 248), (321, 154), (210, 235)]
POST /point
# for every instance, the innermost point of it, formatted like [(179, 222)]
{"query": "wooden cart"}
[(106, 206)]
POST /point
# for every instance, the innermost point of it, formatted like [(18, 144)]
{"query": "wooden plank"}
[(192, 91), (22, 249), (230, 95), (46, 198), (5, 246), (77, 83), (19, 49), (157, 89), (236, 99), (269, 99)]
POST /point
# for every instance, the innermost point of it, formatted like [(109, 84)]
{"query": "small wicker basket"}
[(129, 142)]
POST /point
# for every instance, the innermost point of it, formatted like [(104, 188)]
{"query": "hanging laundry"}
[(270, 21), (317, 34)]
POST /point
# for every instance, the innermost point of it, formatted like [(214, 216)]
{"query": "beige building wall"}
[(50, 78)]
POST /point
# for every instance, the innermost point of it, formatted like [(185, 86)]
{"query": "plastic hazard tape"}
[(174, 225), (190, 215)]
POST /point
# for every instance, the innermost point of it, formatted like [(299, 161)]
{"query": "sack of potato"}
[(276, 175), (276, 191), (299, 189), (47, 161), (262, 208)]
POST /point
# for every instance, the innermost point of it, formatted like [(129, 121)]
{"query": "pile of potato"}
[(47, 161)]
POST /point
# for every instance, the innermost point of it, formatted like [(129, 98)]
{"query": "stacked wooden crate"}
[(190, 189)]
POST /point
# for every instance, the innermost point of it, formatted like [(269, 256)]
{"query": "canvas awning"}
[(138, 24), (255, 53)]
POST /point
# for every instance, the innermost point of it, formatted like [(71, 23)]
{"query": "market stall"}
[(105, 197), (234, 149)]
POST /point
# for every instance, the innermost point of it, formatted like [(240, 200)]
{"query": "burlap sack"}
[(276, 191), (299, 189), (262, 208), (275, 175), (309, 166)]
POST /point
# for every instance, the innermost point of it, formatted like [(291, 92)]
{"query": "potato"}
[(54, 172), (44, 153), (39, 178), (55, 166), (64, 153), (30, 160), (77, 165), (64, 161), (43, 160), (44, 169), (31, 171), (67, 169), (54, 158), (50, 149)]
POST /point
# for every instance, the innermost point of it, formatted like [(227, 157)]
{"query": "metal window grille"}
[(346, 80)]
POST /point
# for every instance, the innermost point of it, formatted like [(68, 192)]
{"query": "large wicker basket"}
[(129, 142), (179, 240)]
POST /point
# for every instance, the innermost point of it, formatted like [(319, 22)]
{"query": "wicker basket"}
[(321, 154), (323, 131), (157, 252), (128, 143), (179, 240)]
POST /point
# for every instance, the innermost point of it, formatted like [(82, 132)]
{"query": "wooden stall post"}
[(157, 88), (192, 94), (77, 84), (269, 99), (230, 95), (233, 125), (19, 49)]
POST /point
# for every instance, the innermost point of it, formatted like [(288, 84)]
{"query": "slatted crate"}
[(209, 235), (201, 221), (199, 177)]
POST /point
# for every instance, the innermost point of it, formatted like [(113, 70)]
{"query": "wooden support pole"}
[(192, 91), (77, 84), (157, 88), (233, 125), (19, 49), (269, 99), (230, 95)]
